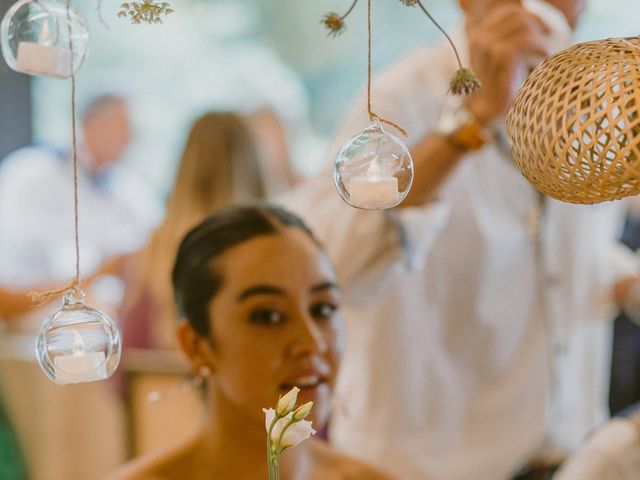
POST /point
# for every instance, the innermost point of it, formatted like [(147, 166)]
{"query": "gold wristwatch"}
[(460, 127)]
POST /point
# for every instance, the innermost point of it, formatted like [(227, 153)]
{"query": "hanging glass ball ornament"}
[(373, 170), (35, 38), (78, 343)]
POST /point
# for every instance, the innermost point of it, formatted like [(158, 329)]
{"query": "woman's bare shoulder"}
[(163, 465), (340, 466)]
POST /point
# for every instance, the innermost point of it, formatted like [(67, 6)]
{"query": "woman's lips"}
[(304, 383)]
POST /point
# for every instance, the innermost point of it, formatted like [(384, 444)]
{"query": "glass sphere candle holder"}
[(373, 170), (78, 343), (39, 38)]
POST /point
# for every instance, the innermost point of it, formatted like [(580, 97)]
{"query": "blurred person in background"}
[(13, 302), (625, 365), (37, 252), (272, 142), (116, 208), (219, 166)]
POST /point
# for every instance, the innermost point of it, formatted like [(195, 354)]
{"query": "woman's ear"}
[(196, 347)]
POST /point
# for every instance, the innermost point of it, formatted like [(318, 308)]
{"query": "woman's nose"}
[(308, 337)]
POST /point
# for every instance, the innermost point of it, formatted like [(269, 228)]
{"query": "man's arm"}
[(16, 302), (498, 43), (13, 302), (626, 294), (434, 158)]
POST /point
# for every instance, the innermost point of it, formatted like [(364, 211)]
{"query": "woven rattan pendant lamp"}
[(574, 127)]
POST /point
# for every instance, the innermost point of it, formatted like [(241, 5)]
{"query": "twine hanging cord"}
[(372, 114), (39, 298)]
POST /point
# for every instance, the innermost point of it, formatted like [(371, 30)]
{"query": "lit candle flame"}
[(374, 172), (45, 37), (78, 344)]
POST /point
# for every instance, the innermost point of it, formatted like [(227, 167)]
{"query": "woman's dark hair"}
[(195, 281)]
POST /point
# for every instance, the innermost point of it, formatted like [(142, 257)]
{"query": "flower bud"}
[(302, 411), (286, 403)]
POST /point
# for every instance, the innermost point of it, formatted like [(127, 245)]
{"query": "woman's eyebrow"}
[(259, 290), (325, 286)]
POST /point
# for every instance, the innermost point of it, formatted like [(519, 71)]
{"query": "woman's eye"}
[(266, 317), (323, 310)]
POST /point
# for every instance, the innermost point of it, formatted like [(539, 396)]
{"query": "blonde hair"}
[(219, 166)]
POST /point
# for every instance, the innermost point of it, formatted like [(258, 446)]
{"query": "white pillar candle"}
[(43, 60), (80, 367), (373, 192)]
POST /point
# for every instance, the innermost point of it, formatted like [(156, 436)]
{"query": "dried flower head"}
[(147, 11), (409, 3), (464, 82), (334, 23)]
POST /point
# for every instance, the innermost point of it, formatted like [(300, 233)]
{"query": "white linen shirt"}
[(37, 242), (470, 347)]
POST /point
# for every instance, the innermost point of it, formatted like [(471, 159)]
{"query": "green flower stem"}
[(270, 457), (433, 20), (350, 9), (277, 470)]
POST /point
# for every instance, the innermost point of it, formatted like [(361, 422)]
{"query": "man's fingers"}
[(503, 21), (516, 34)]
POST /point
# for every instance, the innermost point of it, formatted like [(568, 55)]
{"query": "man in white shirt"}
[(116, 209), (477, 313)]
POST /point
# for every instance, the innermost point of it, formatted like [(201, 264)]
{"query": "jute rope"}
[(39, 298)]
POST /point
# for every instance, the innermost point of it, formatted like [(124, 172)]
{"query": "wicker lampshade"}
[(574, 127)]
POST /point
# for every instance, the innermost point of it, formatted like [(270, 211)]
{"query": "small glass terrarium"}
[(373, 170), (78, 343), (40, 37)]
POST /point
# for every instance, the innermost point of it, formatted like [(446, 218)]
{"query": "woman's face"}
[(275, 323)]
